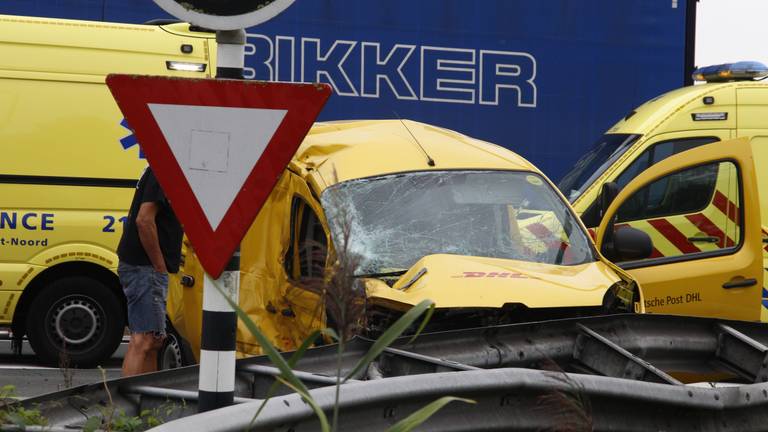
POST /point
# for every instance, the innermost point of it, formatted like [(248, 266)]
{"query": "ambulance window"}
[(308, 246), (689, 211), (657, 153), (682, 192)]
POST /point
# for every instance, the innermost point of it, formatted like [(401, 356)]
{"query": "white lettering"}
[(328, 67), (377, 70), (374, 70)]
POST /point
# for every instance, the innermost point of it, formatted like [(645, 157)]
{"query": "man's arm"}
[(145, 224)]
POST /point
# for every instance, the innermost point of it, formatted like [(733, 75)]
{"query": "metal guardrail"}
[(621, 365), (509, 399)]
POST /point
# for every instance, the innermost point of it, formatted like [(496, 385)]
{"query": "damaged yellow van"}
[(430, 214)]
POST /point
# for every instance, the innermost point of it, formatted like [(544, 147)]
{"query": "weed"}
[(114, 419), (119, 421), (570, 410), (65, 367), (12, 413)]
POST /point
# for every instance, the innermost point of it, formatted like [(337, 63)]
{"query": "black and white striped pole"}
[(218, 344), (216, 385)]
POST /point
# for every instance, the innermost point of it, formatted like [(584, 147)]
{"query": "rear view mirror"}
[(628, 244)]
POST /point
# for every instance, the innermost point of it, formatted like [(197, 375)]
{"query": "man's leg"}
[(141, 356), (150, 357), (129, 361), (145, 291)]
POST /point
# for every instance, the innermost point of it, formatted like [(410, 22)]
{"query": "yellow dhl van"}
[(702, 239), (68, 173), (481, 232)]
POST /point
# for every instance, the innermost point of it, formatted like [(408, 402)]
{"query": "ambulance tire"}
[(175, 352), (75, 321)]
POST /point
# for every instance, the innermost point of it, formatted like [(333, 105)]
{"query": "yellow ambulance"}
[(431, 214), (703, 260), (68, 174)]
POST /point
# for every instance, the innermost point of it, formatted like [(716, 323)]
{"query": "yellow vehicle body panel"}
[(52, 75), (334, 153), (343, 151), (465, 281)]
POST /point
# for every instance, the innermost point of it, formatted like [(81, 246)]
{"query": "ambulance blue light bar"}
[(739, 71)]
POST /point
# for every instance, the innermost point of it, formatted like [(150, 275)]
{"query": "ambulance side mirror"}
[(608, 193)]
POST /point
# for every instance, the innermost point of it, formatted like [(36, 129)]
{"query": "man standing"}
[(149, 249)]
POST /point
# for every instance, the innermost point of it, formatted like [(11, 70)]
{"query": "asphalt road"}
[(30, 378)]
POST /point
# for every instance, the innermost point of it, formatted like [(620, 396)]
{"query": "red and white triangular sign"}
[(217, 147)]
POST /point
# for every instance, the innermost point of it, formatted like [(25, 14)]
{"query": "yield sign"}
[(217, 147)]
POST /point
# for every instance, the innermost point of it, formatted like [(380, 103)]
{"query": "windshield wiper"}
[(382, 274)]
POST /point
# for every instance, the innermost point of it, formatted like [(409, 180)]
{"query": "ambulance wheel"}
[(75, 322), (175, 352)]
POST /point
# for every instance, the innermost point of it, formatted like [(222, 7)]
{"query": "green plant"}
[(12, 413), (117, 420), (114, 419), (422, 415), (7, 392)]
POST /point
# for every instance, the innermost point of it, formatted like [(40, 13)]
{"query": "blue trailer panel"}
[(542, 78)]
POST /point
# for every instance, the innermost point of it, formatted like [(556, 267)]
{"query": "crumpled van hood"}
[(468, 281)]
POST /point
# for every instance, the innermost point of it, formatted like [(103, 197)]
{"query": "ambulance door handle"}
[(740, 283), (708, 239)]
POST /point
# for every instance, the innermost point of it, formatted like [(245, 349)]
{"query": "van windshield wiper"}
[(382, 274)]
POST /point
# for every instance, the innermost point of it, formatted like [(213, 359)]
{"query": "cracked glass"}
[(395, 220)]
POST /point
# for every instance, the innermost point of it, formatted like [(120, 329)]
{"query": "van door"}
[(760, 153), (700, 207), (302, 303), (752, 112)]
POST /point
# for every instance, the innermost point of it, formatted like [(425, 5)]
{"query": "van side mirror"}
[(628, 244), (608, 193)]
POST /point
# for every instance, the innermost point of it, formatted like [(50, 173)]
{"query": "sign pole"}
[(216, 385)]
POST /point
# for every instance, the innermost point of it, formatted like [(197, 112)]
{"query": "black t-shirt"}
[(169, 229)]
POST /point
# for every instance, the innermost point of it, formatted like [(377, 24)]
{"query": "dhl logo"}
[(499, 275)]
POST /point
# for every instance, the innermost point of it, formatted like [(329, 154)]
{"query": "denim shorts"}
[(146, 291)]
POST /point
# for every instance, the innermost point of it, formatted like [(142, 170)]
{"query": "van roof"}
[(655, 112), (348, 150)]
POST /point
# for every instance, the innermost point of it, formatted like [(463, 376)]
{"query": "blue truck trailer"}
[(542, 78)]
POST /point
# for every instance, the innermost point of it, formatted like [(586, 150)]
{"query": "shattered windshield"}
[(395, 220), (590, 166)]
